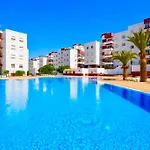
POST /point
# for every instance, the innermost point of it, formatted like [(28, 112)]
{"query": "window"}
[(132, 46), (13, 38), (20, 55), (123, 37), (123, 44), (91, 46), (21, 58), (13, 45), (12, 65), (21, 40), (87, 48), (116, 45), (13, 48), (20, 66), (12, 57)]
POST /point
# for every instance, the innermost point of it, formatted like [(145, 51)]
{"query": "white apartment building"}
[(73, 57), (34, 65), (50, 59), (66, 57), (15, 51), (80, 55), (92, 54), (43, 61), (118, 42)]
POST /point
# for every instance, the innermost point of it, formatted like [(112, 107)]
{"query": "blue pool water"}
[(72, 114)]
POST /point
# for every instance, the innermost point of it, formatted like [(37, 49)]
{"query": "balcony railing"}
[(108, 49), (107, 46), (108, 60), (106, 56)]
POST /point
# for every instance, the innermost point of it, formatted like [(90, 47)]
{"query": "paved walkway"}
[(142, 86)]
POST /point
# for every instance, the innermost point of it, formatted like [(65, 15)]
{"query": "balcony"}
[(80, 63), (107, 43), (106, 56), (108, 49), (50, 61), (107, 35), (108, 59), (80, 58), (107, 63), (81, 53)]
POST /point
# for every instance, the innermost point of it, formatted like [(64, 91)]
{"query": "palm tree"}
[(124, 57), (140, 39)]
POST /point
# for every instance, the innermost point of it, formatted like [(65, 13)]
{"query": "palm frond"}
[(124, 56), (140, 39)]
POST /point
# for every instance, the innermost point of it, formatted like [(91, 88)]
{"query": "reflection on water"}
[(73, 88), (52, 92), (85, 82), (44, 87), (16, 95), (36, 83), (98, 93)]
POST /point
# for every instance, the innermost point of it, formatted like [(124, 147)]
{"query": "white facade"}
[(15, 51), (92, 53), (120, 42), (50, 58), (33, 65), (43, 61), (66, 57)]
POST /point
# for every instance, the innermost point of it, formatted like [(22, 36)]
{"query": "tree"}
[(60, 69), (47, 69), (20, 73), (140, 39), (124, 57), (6, 72)]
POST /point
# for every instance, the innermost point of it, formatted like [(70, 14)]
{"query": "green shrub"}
[(47, 69), (60, 69), (20, 73)]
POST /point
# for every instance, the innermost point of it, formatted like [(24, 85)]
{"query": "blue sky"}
[(52, 24)]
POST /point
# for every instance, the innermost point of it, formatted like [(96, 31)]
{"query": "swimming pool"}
[(72, 114)]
